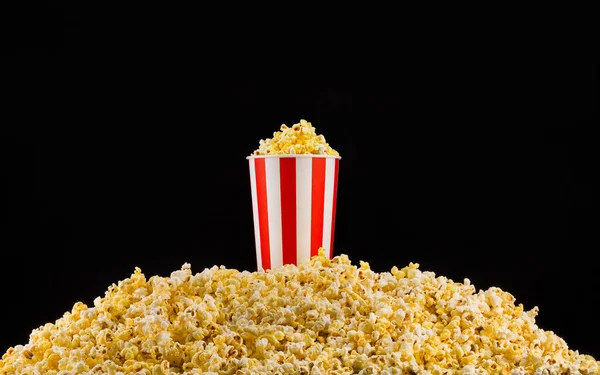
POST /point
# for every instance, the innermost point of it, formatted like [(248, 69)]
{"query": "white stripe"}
[(303, 208), (274, 207), (255, 214), (328, 206)]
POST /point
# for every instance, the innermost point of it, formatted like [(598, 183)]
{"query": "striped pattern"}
[(293, 203)]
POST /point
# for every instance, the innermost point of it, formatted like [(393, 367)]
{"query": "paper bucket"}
[(293, 204)]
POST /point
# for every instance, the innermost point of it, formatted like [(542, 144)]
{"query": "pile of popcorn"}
[(301, 138), (323, 317)]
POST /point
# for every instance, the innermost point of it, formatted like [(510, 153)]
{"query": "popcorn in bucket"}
[(294, 181)]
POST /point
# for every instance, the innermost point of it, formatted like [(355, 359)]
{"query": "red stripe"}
[(335, 185), (263, 212), (318, 203), (287, 184)]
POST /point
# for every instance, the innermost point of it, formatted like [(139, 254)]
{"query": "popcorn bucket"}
[(293, 202)]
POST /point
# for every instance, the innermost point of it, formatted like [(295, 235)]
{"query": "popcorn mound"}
[(301, 138), (323, 317)]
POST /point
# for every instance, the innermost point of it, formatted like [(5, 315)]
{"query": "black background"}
[(471, 166)]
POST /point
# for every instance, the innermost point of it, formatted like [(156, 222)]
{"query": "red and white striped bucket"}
[(293, 202)]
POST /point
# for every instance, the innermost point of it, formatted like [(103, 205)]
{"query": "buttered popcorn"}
[(324, 317), (301, 138)]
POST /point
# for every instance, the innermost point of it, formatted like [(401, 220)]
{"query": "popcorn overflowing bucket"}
[(293, 202)]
